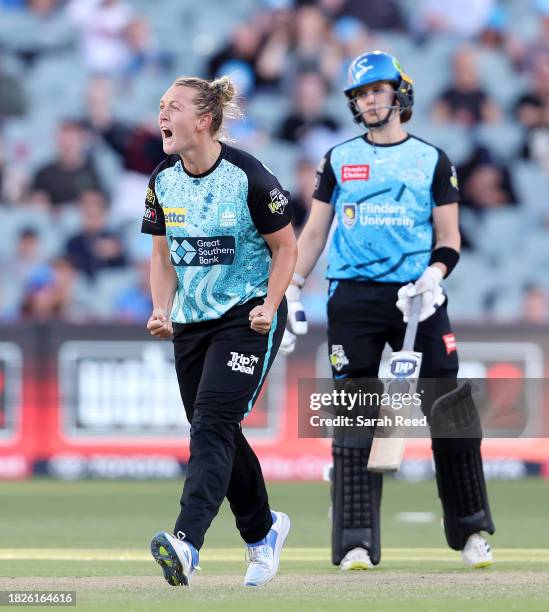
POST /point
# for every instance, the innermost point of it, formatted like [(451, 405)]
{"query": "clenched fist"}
[(160, 324), (261, 318)]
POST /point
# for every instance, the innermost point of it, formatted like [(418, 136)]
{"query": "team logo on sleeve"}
[(349, 215), (454, 178), (319, 173), (150, 214), (227, 214), (338, 359), (355, 172), (449, 343), (150, 197), (278, 201)]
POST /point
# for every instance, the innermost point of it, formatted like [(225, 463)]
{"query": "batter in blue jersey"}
[(394, 198), (223, 255), (383, 196)]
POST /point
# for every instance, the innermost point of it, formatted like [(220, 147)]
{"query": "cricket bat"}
[(404, 365)]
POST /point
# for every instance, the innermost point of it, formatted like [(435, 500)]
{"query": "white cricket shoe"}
[(356, 559), (177, 558), (477, 552), (264, 556)]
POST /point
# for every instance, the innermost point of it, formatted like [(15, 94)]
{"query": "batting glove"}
[(428, 286), (296, 313), (287, 345)]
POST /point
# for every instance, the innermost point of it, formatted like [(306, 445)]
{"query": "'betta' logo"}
[(175, 217)]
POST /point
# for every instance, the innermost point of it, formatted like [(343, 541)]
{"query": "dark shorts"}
[(362, 317), (224, 362)]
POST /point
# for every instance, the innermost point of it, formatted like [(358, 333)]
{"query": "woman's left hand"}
[(261, 318)]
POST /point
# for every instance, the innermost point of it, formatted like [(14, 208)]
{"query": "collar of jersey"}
[(217, 162), (389, 144)]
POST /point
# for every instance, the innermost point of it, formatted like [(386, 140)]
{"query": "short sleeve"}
[(445, 188), (325, 180), (153, 218), (268, 202)]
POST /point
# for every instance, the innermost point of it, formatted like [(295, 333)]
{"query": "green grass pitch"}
[(92, 537)]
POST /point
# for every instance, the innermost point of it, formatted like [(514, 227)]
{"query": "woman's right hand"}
[(160, 324)]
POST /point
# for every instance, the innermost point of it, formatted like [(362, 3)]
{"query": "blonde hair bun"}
[(224, 88)]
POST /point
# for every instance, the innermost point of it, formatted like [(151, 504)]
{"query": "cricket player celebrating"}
[(223, 255), (390, 191)]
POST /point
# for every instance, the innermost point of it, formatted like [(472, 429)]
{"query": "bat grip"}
[(413, 320)]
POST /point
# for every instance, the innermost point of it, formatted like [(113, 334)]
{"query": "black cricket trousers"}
[(221, 366)]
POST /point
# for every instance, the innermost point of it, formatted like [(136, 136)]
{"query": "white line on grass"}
[(537, 555)]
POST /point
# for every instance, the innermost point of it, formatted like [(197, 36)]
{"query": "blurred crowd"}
[(79, 87)]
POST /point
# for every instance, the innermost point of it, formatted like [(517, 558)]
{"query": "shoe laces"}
[(259, 554), (479, 544)]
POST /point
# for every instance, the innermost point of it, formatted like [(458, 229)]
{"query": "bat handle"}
[(413, 320)]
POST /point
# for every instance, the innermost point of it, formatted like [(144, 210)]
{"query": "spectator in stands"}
[(308, 112), (240, 55), (465, 101), (43, 30), (103, 26), (462, 18), (353, 37), (532, 112), (28, 258), (139, 147), (49, 294), (535, 304), (96, 247), (485, 183), (71, 173), (13, 102), (378, 15), (495, 34), (302, 193), (143, 54), (272, 61), (14, 177), (525, 54), (314, 48), (134, 304)]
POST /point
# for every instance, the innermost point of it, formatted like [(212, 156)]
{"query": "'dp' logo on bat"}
[(403, 368)]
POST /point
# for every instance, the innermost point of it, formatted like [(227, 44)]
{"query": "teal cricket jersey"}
[(213, 223), (383, 198)]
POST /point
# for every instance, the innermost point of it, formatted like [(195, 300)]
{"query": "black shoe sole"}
[(165, 556)]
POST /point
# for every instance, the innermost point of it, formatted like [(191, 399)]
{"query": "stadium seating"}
[(488, 280)]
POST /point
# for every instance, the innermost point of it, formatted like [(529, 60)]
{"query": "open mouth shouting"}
[(168, 138)]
